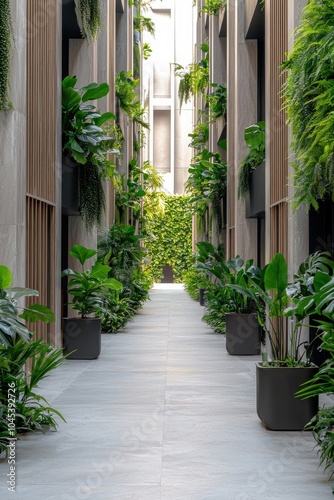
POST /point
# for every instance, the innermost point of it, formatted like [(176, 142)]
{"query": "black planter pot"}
[(202, 296), (243, 334), (255, 199), (82, 336), (70, 187), (277, 407)]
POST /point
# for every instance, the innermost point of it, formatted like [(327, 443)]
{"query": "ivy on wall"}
[(169, 240), (5, 53), (309, 102)]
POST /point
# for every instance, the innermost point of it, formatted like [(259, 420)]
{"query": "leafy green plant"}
[(168, 237), (89, 286), (11, 327), (195, 279), (121, 249), (194, 78), (207, 184), (32, 411), (212, 7), (256, 142), (322, 426), (89, 18), (308, 101), (5, 54), (199, 135), (125, 86), (86, 142), (217, 101)]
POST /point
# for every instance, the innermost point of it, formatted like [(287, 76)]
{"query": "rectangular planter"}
[(70, 187), (83, 337), (243, 334), (277, 406), (255, 199)]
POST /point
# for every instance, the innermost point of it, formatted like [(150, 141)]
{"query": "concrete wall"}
[(13, 156)]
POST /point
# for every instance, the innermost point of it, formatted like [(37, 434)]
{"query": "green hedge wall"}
[(169, 238)]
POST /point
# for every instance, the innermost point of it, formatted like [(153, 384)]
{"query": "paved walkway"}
[(164, 414)]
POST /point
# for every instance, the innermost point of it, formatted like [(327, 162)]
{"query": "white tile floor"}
[(164, 414)]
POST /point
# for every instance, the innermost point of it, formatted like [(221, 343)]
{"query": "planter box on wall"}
[(243, 334), (255, 199), (83, 336), (70, 187), (277, 407)]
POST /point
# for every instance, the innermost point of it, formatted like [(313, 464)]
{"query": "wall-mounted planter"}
[(70, 187), (83, 337), (70, 24), (277, 407), (255, 199), (243, 334)]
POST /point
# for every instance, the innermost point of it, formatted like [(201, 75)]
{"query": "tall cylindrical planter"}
[(82, 338), (243, 334), (277, 406)]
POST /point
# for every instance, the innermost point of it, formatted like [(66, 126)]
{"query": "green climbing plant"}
[(89, 18), (217, 101), (129, 102), (169, 237), (5, 53), (308, 97)]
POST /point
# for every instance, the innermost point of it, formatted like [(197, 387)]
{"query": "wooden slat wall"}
[(41, 154), (278, 44)]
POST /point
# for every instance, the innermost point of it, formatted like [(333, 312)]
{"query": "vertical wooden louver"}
[(41, 154), (278, 46)]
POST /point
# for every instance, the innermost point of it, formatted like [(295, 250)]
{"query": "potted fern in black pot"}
[(82, 334)]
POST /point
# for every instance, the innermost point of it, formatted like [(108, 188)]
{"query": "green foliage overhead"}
[(89, 17), (309, 101), (169, 238), (5, 53)]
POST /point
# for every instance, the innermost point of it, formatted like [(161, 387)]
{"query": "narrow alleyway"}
[(164, 414)]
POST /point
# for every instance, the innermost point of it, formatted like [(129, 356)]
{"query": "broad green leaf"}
[(82, 253), (37, 312), (105, 117), (276, 275), (5, 277), (70, 99), (94, 91)]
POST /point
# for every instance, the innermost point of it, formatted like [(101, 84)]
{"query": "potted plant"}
[(251, 176), (243, 332), (285, 366), (82, 335), (86, 146)]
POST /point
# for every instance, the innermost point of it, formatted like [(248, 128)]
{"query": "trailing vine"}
[(91, 195), (5, 53), (89, 18), (309, 101), (125, 86), (194, 79)]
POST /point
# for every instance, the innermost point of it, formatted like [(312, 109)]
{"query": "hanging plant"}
[(194, 78), (5, 53), (256, 142), (309, 101), (89, 18)]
